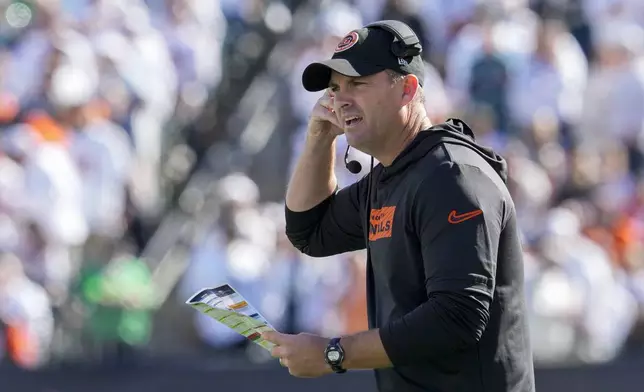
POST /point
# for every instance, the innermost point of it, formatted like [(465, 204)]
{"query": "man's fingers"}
[(327, 102), (279, 352), (275, 337), (324, 111)]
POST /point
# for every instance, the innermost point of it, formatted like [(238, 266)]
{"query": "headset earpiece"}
[(406, 44)]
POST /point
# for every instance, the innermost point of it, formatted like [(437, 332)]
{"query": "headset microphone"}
[(353, 166)]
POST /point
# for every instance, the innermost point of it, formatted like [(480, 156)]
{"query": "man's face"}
[(366, 107)]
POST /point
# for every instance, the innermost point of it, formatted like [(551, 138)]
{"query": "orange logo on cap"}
[(348, 41)]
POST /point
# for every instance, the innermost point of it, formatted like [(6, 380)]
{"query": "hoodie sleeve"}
[(458, 216), (334, 226)]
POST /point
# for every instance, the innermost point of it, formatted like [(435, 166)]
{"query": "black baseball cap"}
[(363, 52)]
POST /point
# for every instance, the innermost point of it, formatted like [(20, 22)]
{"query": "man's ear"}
[(410, 87)]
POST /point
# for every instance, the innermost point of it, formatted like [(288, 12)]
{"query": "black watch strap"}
[(334, 355)]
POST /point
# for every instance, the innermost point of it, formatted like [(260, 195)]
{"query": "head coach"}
[(446, 301)]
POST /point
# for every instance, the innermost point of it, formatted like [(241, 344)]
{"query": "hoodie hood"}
[(452, 131)]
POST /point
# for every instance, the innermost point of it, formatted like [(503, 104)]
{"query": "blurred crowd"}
[(91, 89)]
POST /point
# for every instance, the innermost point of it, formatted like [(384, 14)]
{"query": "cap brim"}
[(316, 76)]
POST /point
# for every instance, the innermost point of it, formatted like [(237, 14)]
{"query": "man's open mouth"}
[(352, 121)]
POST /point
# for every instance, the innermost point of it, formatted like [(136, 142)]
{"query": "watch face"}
[(333, 356)]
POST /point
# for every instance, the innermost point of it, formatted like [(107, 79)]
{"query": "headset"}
[(353, 166), (406, 44)]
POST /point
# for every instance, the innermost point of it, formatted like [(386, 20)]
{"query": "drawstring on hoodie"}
[(369, 185)]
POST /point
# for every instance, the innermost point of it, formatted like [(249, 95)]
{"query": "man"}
[(445, 271)]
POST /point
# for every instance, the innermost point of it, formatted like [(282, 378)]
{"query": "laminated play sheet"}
[(224, 304)]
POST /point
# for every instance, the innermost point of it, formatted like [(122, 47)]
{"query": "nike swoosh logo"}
[(454, 218)]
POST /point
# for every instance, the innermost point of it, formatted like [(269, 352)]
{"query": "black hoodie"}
[(444, 267)]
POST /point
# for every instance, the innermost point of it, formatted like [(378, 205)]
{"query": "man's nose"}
[(340, 101)]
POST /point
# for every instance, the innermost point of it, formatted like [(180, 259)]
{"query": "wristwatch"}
[(334, 355)]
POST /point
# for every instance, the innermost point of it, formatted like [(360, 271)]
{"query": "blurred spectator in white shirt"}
[(52, 188), (553, 78), (614, 99), (101, 150), (25, 308)]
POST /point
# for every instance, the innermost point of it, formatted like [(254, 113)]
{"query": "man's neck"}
[(410, 130)]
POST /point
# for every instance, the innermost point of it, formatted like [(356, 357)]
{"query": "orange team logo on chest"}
[(381, 223)]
